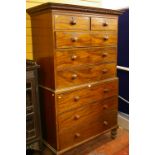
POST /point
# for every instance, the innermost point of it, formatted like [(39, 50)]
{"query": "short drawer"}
[(92, 93), (90, 128), (89, 112), (104, 38), (103, 23), (84, 74), (67, 58), (74, 22), (72, 39)]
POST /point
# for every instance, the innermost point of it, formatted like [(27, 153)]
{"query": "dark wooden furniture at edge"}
[(76, 48), (33, 123)]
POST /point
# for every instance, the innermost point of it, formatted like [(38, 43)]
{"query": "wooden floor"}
[(102, 145)]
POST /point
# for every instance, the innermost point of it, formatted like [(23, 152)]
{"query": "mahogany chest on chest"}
[(76, 48)]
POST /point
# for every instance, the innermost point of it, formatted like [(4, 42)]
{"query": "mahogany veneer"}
[(76, 48)]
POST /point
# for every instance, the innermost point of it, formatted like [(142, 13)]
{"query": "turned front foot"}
[(113, 133)]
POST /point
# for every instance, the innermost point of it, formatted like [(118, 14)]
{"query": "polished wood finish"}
[(78, 83), (96, 124), (72, 39), (68, 22), (81, 75), (33, 124), (103, 23), (74, 58), (69, 7), (67, 101), (104, 38), (89, 112), (85, 39), (48, 112)]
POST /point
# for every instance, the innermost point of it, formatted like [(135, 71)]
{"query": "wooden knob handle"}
[(74, 39), (77, 135), (105, 107), (73, 21), (89, 86), (106, 90), (76, 117), (104, 70), (59, 97), (105, 123), (105, 24), (74, 57), (104, 54), (106, 37), (76, 98), (74, 76)]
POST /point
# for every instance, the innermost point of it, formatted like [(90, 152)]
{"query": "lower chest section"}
[(86, 112)]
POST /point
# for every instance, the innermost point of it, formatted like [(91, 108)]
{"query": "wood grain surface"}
[(75, 134), (72, 39), (104, 38), (104, 23), (77, 57), (90, 112), (85, 74), (78, 98), (72, 22)]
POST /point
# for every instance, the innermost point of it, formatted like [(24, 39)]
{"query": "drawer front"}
[(74, 99), (85, 74), (104, 38), (86, 113), (103, 23), (67, 58), (72, 39), (76, 134), (75, 22)]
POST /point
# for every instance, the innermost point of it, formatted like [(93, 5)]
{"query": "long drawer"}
[(67, 58), (84, 74), (90, 112), (87, 129), (77, 98), (85, 39)]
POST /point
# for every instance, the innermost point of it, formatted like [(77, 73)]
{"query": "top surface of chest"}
[(69, 7)]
